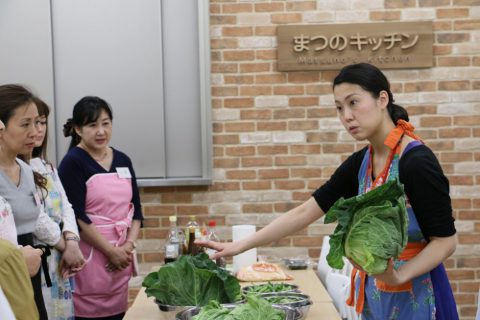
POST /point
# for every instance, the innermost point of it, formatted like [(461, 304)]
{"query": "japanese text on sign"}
[(332, 46), (339, 42)]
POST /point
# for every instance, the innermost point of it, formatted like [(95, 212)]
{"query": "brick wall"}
[(276, 137)]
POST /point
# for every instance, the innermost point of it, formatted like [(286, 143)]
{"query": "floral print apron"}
[(416, 299)]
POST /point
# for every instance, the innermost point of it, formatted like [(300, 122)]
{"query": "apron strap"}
[(410, 251), (120, 226), (45, 253)]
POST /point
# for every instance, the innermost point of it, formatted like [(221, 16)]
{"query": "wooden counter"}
[(144, 308)]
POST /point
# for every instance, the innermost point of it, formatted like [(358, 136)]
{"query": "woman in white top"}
[(66, 260)]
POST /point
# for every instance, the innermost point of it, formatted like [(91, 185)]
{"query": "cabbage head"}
[(372, 228), (192, 281)]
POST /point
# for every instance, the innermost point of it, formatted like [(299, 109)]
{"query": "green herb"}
[(255, 308), (192, 281), (269, 287), (283, 299), (371, 229)]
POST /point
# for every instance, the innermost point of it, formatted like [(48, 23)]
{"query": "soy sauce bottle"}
[(192, 248)]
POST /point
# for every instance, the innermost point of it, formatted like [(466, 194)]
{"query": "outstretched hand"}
[(223, 249)]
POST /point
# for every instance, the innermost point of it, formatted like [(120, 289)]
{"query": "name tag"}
[(38, 201), (123, 172)]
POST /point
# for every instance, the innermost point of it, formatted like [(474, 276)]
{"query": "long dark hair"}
[(43, 111), (371, 79), (85, 111), (12, 97)]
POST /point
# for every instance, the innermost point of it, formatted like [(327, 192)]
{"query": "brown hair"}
[(43, 110), (12, 97)]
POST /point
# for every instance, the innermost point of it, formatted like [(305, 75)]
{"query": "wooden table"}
[(144, 308)]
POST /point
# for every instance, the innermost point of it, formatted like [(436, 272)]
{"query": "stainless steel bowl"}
[(169, 312), (188, 314), (301, 304), (248, 289)]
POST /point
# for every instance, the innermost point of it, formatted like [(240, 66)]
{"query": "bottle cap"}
[(212, 223), (172, 218)]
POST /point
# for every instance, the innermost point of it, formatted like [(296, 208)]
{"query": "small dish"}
[(296, 263)]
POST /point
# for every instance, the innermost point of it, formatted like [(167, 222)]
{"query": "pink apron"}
[(99, 293)]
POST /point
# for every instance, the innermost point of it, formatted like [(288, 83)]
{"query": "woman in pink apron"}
[(100, 183)]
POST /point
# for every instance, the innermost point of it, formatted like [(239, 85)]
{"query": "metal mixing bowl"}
[(188, 314), (169, 312), (301, 304), (250, 289)]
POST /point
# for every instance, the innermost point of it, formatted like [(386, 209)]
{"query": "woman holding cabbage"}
[(412, 284)]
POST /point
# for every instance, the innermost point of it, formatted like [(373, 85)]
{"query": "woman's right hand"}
[(33, 258), (119, 259), (223, 249)]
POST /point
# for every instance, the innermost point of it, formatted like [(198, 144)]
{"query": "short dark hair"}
[(371, 79)]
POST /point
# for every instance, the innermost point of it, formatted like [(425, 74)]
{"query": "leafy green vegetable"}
[(283, 299), (192, 281), (255, 308), (269, 287), (371, 229)]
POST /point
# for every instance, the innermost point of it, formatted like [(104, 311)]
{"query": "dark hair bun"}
[(68, 128)]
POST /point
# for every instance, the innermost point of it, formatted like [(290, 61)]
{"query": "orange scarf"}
[(412, 249)]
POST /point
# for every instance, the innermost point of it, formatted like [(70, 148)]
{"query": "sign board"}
[(387, 45)]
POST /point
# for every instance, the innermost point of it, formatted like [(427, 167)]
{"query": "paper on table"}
[(248, 257)]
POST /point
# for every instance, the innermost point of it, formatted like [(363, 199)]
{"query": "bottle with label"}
[(192, 248), (212, 236), (181, 241), (172, 243), (191, 224)]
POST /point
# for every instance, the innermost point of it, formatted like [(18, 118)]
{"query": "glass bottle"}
[(172, 243), (192, 247), (212, 236), (193, 223)]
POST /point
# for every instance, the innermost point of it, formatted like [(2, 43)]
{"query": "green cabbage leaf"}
[(192, 281), (255, 308), (372, 228)]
